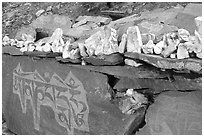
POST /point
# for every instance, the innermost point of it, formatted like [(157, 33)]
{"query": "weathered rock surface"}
[(194, 9), (29, 30), (174, 113), (52, 22)]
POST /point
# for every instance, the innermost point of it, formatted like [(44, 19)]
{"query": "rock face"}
[(174, 113)]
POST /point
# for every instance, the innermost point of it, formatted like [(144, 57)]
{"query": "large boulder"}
[(52, 22)]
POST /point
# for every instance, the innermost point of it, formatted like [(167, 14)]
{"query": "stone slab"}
[(127, 71), (174, 113), (46, 97), (167, 63), (156, 85)]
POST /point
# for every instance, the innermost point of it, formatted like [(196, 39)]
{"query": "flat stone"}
[(127, 71), (78, 31), (11, 50), (60, 98), (52, 22), (168, 63), (174, 113), (155, 85), (112, 59), (96, 19)]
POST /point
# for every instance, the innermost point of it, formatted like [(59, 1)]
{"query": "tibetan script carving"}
[(67, 98)]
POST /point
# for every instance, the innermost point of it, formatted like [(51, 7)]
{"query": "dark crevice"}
[(40, 34)]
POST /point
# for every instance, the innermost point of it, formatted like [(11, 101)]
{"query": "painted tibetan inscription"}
[(67, 98)]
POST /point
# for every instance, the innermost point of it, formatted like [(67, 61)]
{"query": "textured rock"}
[(148, 48), (174, 113), (172, 41), (183, 34), (78, 32), (26, 30), (159, 47), (102, 42)]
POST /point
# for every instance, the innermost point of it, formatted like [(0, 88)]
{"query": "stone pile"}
[(95, 36)]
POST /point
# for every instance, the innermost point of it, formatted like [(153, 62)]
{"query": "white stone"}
[(123, 44), (46, 47), (148, 48), (183, 34), (182, 52), (134, 39), (129, 92), (23, 49), (82, 50), (131, 62), (38, 13)]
